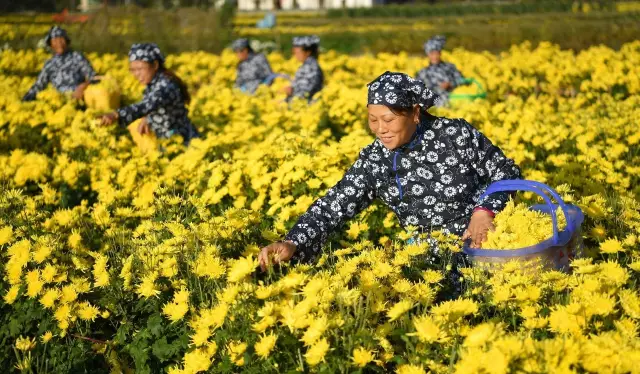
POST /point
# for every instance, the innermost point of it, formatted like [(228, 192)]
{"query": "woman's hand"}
[(143, 127), (78, 93), (445, 85), (480, 224), (279, 252), (287, 90), (108, 119)]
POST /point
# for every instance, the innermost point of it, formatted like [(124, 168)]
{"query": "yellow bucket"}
[(146, 142), (104, 95)]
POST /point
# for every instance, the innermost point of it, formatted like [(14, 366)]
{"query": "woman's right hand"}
[(278, 252)]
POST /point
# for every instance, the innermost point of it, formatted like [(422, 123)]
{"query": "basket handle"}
[(541, 190), (268, 80), (481, 90)]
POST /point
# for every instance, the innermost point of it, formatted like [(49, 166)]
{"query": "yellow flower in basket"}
[(147, 142), (103, 95), (517, 227)]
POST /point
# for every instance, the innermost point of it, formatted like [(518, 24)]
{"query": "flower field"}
[(115, 260)]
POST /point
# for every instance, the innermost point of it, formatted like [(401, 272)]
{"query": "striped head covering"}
[(436, 43), (148, 52), (400, 90)]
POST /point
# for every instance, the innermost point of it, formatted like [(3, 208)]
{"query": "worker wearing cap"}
[(163, 108), (309, 78), (430, 171), (67, 70), (440, 77), (253, 68)]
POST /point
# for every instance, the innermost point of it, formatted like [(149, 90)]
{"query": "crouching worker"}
[(253, 68), (67, 70), (440, 76), (162, 110), (430, 171)]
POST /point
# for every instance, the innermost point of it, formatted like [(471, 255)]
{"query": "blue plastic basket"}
[(553, 253)]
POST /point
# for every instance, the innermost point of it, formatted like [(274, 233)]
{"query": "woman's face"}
[(143, 71), (393, 130), (59, 45), (243, 54), (434, 57), (300, 54)]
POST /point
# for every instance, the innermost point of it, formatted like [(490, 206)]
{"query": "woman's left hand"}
[(143, 127), (108, 119), (288, 90), (480, 224), (445, 85)]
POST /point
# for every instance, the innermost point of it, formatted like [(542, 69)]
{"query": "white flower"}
[(350, 191), (335, 206), (301, 238), (432, 156), (412, 220), (391, 98), (429, 135), (429, 200), (450, 191)]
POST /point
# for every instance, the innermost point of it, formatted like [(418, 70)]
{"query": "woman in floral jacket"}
[(429, 171), (309, 78), (253, 68), (163, 106), (67, 70), (440, 77)]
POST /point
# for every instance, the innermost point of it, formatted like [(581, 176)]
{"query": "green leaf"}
[(162, 349), (155, 325)]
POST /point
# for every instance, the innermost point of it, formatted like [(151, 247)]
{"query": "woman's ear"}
[(416, 114)]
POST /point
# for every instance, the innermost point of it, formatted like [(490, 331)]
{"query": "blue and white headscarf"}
[(240, 44), (400, 90), (436, 43), (148, 52), (56, 32), (307, 41)]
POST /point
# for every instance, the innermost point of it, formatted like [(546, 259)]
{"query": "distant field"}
[(355, 31)]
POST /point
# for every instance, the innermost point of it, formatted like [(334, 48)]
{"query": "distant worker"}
[(253, 68), (67, 70), (440, 77), (309, 78), (163, 108)]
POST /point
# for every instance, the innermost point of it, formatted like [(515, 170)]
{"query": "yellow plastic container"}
[(104, 95), (147, 142)]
